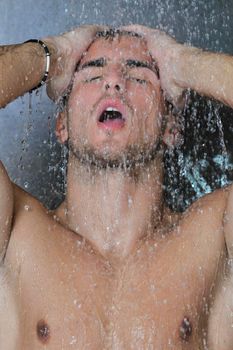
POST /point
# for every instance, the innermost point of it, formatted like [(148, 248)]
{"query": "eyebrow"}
[(101, 62), (143, 64)]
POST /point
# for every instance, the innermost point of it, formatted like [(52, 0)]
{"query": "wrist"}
[(188, 61), (54, 57), (32, 73), (60, 49), (47, 55)]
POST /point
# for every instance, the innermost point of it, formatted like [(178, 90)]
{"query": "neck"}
[(112, 208)]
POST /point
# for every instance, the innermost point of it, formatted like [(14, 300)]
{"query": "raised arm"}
[(22, 67), (184, 67), (209, 74)]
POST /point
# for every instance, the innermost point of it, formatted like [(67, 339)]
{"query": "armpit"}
[(228, 222), (6, 210), (220, 334)]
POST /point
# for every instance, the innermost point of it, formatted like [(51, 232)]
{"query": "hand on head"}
[(166, 52), (67, 50)]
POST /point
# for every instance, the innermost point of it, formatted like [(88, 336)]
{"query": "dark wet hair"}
[(112, 33), (108, 34)]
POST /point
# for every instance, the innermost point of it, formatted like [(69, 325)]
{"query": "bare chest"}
[(159, 299)]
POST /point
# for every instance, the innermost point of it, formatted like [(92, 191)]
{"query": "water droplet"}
[(73, 340), (27, 207), (26, 184), (130, 202)]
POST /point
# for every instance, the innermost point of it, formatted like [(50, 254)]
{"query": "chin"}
[(110, 148)]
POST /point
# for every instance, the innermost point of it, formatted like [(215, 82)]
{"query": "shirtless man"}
[(112, 267)]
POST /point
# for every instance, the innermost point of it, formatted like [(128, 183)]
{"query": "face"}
[(115, 106)]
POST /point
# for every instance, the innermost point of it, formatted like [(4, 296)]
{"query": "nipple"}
[(185, 329), (43, 331)]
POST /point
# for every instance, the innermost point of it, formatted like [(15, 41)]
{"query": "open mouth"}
[(110, 114), (111, 118)]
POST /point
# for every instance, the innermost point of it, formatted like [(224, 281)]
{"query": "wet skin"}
[(61, 291), (164, 288)]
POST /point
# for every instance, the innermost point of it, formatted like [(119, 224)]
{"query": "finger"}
[(139, 29), (91, 29), (84, 36), (56, 87), (70, 47)]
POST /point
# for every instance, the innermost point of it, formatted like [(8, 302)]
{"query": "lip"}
[(106, 103), (112, 125)]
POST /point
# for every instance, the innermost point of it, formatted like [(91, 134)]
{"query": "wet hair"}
[(111, 33), (108, 34)]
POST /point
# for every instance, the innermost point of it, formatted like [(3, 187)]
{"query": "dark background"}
[(27, 143)]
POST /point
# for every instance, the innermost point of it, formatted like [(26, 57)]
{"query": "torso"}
[(60, 294)]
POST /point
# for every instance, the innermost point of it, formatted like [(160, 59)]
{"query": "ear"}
[(172, 136), (61, 127)]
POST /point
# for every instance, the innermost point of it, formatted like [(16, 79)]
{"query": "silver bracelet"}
[(47, 54)]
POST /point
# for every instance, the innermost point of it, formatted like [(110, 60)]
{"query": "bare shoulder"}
[(24, 202), (29, 214), (212, 204), (6, 209), (205, 217), (36, 230), (217, 208), (28, 226), (20, 213)]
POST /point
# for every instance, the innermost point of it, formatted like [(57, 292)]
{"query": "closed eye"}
[(139, 75), (99, 77), (138, 80)]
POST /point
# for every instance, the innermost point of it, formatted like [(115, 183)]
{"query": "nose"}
[(113, 87), (114, 82)]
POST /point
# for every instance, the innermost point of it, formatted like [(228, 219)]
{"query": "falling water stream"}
[(200, 23), (201, 163)]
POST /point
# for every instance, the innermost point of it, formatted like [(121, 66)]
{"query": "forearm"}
[(21, 68), (209, 74)]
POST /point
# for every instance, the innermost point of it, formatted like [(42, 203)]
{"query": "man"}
[(112, 267)]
